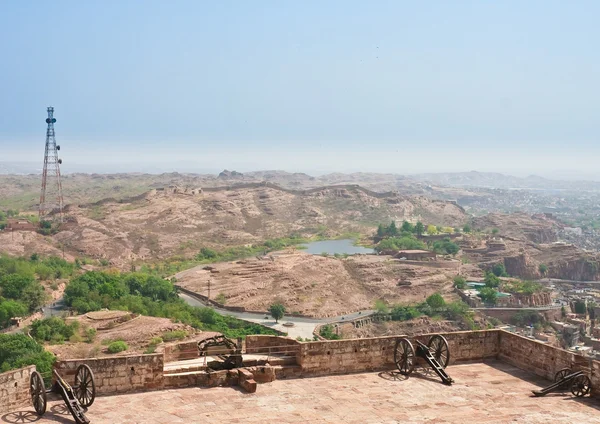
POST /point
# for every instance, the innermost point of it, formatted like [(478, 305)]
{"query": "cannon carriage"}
[(577, 382), (77, 397), (435, 354)]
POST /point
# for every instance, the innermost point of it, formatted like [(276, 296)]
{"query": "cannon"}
[(226, 353), (435, 353), (77, 397), (579, 383)]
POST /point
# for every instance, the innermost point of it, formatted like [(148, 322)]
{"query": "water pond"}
[(332, 247)]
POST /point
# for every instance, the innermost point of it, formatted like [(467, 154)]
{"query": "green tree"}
[(392, 231), (460, 282), (419, 228), (499, 270), (436, 301), (491, 280), (495, 231), (407, 227), (488, 295), (34, 296), (563, 312), (277, 311), (467, 228), (380, 231), (543, 268), (432, 230)]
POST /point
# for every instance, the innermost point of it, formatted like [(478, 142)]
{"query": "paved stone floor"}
[(483, 393)]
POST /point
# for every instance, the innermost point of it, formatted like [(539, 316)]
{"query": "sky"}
[(310, 86)]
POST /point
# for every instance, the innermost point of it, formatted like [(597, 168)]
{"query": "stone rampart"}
[(544, 360), (374, 354), (119, 374), (14, 389), (272, 345)]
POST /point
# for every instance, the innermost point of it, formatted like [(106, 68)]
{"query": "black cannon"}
[(226, 353), (436, 354), (579, 383), (77, 397)]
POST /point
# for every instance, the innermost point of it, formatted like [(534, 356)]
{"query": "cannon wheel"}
[(84, 387), (438, 346), (581, 386), (37, 391), (404, 356), (562, 374)]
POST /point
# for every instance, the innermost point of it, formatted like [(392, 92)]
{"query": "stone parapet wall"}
[(14, 389), (373, 354), (120, 374), (544, 360), (181, 351), (273, 345)]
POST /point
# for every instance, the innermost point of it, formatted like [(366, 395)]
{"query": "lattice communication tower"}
[(51, 199)]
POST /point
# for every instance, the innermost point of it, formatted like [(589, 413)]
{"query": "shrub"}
[(221, 299), (459, 282), (116, 347), (404, 313), (499, 270), (174, 335), (381, 307), (328, 333), (90, 335), (75, 338), (436, 301)]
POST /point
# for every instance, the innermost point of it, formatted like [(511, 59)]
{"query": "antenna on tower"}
[(51, 198)]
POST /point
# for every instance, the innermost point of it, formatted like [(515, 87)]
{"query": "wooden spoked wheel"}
[(84, 387), (37, 390), (562, 374), (404, 356), (581, 386), (438, 346)]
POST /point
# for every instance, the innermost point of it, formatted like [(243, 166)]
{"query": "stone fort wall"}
[(14, 389), (146, 372), (120, 374)]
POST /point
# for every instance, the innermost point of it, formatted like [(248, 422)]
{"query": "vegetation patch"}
[(152, 296), (118, 346)]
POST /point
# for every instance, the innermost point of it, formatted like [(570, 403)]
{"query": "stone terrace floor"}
[(493, 392)]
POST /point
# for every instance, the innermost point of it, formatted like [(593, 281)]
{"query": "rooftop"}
[(491, 392)]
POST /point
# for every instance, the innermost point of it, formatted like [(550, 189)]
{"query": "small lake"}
[(332, 247)]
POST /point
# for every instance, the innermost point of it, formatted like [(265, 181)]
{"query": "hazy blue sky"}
[(304, 85)]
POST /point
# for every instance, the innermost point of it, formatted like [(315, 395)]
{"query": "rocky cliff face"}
[(564, 262), (537, 299)]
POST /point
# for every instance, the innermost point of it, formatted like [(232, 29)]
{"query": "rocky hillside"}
[(176, 221), (315, 285)]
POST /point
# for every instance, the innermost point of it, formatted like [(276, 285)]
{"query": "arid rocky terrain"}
[(318, 286), (178, 221), (137, 333)]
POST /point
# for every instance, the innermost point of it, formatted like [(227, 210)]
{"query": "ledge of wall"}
[(374, 354), (14, 389), (120, 374), (544, 360)]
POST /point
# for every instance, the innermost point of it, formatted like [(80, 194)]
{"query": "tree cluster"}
[(20, 290), (406, 229), (19, 350), (149, 295)]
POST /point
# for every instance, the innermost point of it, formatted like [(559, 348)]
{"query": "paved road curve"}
[(303, 327)]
